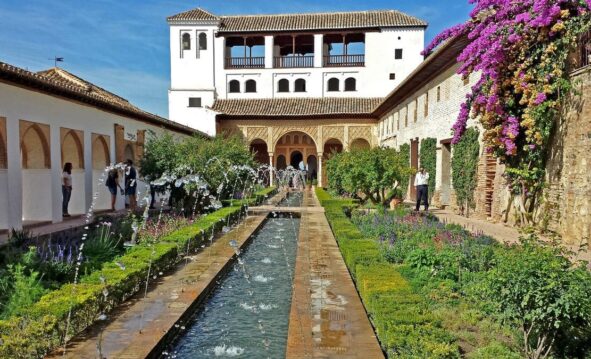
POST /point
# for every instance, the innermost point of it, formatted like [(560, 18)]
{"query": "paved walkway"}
[(162, 312), (499, 231), (327, 318)]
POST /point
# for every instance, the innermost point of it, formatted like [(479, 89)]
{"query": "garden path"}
[(327, 318)]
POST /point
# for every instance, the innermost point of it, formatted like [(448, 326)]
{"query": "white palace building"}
[(362, 54)]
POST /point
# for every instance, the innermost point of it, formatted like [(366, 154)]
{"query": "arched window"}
[(202, 41), (186, 41), (234, 86), (350, 84), (300, 85), (251, 86), (283, 85), (333, 85)]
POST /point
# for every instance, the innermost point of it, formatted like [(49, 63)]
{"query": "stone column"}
[(271, 178), (15, 174), (56, 173), (88, 170), (320, 176), (269, 44), (318, 49)]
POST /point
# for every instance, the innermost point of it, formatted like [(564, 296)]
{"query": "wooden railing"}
[(245, 62), (293, 61), (344, 60)]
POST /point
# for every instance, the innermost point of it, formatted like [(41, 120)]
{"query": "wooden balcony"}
[(344, 60), (285, 62), (245, 63)]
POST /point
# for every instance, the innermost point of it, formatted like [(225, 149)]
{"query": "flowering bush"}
[(520, 49)]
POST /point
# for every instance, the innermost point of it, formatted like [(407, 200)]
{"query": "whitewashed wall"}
[(36, 194), (202, 74)]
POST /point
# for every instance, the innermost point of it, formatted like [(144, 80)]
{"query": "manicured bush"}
[(373, 173), (42, 327), (428, 160)]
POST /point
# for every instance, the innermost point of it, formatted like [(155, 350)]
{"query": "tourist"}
[(66, 188), (422, 187), (131, 184), (112, 184)]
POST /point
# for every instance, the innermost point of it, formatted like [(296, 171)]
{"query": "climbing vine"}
[(428, 157), (519, 48), (464, 168), (405, 155)]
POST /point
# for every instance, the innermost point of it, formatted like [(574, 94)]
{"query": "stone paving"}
[(327, 318), (167, 302)]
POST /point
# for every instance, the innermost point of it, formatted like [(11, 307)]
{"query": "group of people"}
[(112, 184)]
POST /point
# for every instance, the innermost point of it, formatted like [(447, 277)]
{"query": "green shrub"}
[(26, 290), (464, 168), (42, 325)]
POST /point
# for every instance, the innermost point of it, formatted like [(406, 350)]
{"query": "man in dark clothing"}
[(422, 186), (131, 185)]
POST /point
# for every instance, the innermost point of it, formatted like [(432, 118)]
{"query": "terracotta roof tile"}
[(306, 21), (285, 107), (194, 15), (59, 82)]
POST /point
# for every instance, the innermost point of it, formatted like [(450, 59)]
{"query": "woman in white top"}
[(66, 188)]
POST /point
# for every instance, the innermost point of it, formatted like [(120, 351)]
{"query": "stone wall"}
[(568, 196), (565, 208)]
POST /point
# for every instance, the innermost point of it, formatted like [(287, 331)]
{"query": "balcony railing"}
[(245, 62), (293, 61), (344, 60)]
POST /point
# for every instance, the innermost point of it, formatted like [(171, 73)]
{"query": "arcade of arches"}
[(282, 144)]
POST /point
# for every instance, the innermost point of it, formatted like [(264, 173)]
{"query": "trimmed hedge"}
[(43, 327), (401, 318)]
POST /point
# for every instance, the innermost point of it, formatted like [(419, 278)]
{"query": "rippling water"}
[(248, 318)]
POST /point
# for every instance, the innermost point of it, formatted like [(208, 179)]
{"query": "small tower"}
[(192, 62)]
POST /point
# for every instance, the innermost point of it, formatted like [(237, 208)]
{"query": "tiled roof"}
[(286, 107), (305, 21), (194, 15), (59, 82)]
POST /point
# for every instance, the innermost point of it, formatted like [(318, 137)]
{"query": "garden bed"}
[(43, 326), (435, 291)]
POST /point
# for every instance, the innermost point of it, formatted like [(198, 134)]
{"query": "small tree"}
[(464, 168), (538, 288), (373, 173)]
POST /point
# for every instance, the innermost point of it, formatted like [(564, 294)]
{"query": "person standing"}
[(422, 187), (131, 184), (66, 188), (112, 184)]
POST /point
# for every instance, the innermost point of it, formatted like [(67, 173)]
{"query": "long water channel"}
[(247, 315)]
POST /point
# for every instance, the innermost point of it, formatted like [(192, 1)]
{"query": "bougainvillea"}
[(520, 50)]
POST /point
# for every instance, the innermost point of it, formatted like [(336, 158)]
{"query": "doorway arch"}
[(295, 158), (360, 144), (312, 162), (281, 162), (260, 151)]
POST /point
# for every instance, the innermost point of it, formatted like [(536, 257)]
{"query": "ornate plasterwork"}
[(336, 132)]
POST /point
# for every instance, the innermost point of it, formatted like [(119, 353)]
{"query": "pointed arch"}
[(35, 153), (100, 152), (129, 153), (72, 148)]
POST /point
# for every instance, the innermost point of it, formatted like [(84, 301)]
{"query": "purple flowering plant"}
[(519, 49)]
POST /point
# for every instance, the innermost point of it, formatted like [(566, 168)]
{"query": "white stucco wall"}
[(36, 194), (442, 114), (203, 74), (3, 198)]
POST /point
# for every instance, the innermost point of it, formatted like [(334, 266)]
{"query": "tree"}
[(428, 157), (371, 172)]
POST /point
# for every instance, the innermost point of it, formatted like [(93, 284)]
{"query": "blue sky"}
[(122, 45)]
